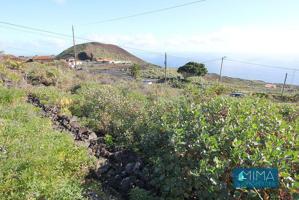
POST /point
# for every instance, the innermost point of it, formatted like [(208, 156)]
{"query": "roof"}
[(43, 58)]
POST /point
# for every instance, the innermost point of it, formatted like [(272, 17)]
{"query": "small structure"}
[(43, 59), (104, 60), (270, 86), (71, 62), (110, 61)]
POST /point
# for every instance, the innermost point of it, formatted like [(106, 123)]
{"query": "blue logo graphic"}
[(255, 178)]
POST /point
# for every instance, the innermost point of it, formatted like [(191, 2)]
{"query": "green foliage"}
[(217, 90), (52, 74), (109, 140), (154, 72), (135, 70), (10, 75), (140, 194), (11, 64), (192, 146), (36, 162), (108, 109), (9, 96), (45, 76), (193, 69)]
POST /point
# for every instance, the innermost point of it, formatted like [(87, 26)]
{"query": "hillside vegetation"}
[(36, 162), (100, 50), (189, 136)]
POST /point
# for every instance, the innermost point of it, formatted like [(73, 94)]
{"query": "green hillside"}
[(100, 50)]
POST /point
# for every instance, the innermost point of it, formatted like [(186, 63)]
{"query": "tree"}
[(193, 69), (135, 70), (83, 56)]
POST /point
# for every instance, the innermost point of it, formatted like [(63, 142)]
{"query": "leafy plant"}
[(135, 70), (193, 69)]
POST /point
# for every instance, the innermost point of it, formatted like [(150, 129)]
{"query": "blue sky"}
[(264, 31)]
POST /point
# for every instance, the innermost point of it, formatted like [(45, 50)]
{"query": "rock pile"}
[(123, 171)]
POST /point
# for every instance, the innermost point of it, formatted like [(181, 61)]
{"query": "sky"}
[(258, 31)]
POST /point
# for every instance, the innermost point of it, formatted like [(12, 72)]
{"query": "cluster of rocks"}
[(122, 171)]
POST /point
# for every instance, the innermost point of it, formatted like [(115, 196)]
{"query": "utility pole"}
[(74, 44), (285, 80), (220, 75), (165, 69)]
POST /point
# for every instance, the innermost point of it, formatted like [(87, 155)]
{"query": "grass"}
[(37, 162)]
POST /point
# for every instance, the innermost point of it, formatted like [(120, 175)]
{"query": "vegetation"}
[(36, 162), (196, 145), (100, 50), (191, 137), (135, 71), (193, 69)]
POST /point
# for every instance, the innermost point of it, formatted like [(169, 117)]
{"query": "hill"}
[(100, 50)]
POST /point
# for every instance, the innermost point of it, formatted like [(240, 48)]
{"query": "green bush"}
[(193, 69), (140, 194), (43, 76), (11, 64), (135, 70), (193, 146), (108, 109)]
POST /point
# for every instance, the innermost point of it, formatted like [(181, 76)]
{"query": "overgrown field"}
[(190, 137), (36, 162)]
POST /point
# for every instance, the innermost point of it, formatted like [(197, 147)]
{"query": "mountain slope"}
[(100, 50)]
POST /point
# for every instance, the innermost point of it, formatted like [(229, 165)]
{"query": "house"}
[(71, 62), (43, 59), (270, 86), (110, 61), (104, 60)]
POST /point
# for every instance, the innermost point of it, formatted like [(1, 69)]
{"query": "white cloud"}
[(242, 40)]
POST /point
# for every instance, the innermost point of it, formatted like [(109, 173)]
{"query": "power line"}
[(35, 29), (145, 13), (263, 65), (31, 32), (48, 33), (55, 34)]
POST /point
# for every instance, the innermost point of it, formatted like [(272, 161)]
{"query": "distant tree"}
[(135, 70), (83, 56), (1, 52), (193, 69)]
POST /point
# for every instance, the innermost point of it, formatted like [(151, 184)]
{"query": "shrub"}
[(194, 148), (11, 64), (45, 77), (135, 70), (193, 69), (140, 194), (107, 109)]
